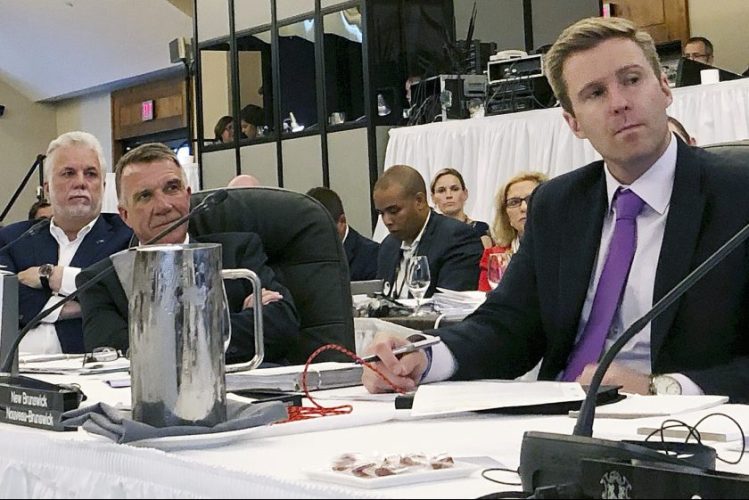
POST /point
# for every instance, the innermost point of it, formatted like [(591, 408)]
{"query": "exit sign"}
[(146, 110)]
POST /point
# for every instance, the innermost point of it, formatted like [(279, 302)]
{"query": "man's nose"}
[(162, 204), (618, 100)]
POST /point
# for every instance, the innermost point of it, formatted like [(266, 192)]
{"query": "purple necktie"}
[(610, 285)]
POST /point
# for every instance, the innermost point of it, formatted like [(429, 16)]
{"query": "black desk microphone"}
[(548, 459), (209, 202)]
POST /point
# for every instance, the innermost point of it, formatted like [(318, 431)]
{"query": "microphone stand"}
[(548, 459), (37, 163)]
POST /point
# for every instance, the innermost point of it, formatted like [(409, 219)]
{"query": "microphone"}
[(209, 202), (36, 228), (548, 459)]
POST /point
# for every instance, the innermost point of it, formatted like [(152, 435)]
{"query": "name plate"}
[(34, 403)]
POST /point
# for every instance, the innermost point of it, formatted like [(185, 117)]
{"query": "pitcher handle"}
[(257, 288)]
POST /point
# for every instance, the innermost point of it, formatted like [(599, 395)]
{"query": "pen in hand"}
[(405, 349)]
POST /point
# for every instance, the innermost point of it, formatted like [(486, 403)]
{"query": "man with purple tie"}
[(605, 242)]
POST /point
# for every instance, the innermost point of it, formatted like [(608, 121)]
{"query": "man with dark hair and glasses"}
[(700, 49)]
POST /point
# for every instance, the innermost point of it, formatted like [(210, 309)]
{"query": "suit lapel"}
[(92, 244), (580, 237), (425, 243), (680, 240), (46, 249)]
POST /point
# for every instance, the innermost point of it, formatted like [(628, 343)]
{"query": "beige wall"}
[(92, 114), (723, 22), (25, 131)]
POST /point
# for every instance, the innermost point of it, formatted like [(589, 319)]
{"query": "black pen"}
[(408, 348)]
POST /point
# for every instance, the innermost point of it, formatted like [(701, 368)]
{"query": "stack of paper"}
[(457, 305), (289, 378)]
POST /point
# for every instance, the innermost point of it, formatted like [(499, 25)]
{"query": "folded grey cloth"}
[(117, 425)]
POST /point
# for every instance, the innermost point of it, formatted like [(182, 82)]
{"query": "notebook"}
[(289, 378)]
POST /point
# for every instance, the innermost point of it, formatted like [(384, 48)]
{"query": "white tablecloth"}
[(490, 150), (37, 463)]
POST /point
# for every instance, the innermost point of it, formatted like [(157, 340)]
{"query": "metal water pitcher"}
[(179, 329)]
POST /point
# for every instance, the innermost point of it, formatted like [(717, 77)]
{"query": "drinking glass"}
[(495, 268), (418, 278)]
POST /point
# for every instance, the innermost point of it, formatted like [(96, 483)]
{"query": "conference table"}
[(272, 462)]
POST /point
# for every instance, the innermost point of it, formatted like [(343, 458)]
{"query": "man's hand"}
[(405, 372), (617, 374), (30, 278), (266, 297)]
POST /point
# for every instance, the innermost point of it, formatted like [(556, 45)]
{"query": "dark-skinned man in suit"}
[(452, 247)]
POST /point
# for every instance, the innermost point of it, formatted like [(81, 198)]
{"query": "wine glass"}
[(495, 268), (418, 278)]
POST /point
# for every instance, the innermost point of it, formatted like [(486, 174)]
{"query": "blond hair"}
[(502, 232), (587, 34)]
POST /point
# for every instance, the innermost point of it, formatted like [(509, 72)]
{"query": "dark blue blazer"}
[(109, 235), (535, 311), (453, 248), (362, 256)]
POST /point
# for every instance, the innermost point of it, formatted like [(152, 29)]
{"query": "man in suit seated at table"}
[(153, 193), (452, 247), (79, 235), (360, 251), (605, 242)]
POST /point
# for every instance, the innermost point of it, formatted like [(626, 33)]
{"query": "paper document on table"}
[(715, 428), (457, 305), (359, 393), (455, 397), (69, 364), (289, 378), (637, 406)]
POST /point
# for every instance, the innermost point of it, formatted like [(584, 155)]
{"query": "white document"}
[(715, 428), (454, 397), (637, 406), (69, 364)]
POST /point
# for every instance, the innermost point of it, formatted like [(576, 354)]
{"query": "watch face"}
[(667, 385), (46, 270)]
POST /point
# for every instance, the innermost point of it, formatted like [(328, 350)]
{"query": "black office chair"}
[(305, 252), (736, 151)]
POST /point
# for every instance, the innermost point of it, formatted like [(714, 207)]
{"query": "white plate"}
[(344, 478)]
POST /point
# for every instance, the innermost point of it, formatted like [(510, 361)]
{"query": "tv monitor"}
[(688, 73)]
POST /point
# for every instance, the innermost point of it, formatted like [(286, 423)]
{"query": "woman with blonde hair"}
[(449, 194), (511, 205)]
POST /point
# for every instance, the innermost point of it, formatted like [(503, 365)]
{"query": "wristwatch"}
[(664, 384), (45, 273)]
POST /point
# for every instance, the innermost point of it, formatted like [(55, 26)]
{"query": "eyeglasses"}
[(516, 202), (101, 355)]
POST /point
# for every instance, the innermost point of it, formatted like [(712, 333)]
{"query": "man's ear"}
[(574, 125), (46, 190), (123, 215)]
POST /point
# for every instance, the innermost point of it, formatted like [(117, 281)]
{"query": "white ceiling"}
[(51, 49)]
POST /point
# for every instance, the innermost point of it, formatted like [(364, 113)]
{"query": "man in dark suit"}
[(452, 247), (687, 202), (152, 194), (78, 236), (360, 251)]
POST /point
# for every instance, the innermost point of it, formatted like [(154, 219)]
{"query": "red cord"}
[(297, 413)]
